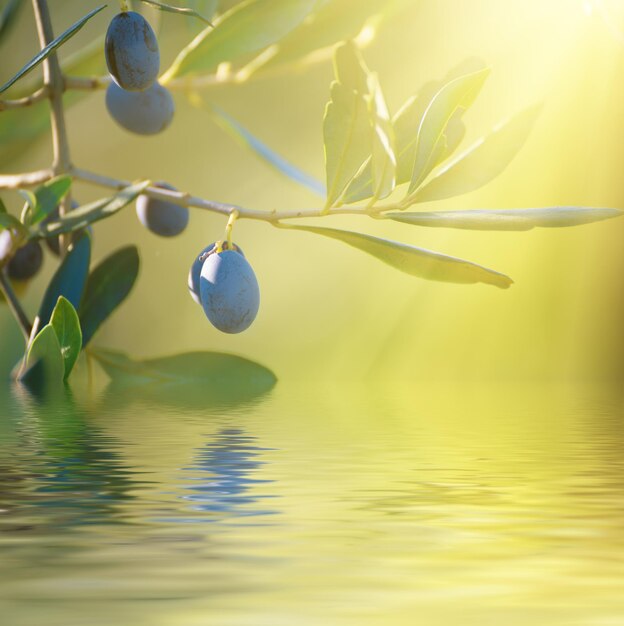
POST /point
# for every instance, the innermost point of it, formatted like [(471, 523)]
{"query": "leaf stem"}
[(15, 306)]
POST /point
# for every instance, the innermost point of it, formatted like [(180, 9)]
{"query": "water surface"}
[(347, 505)]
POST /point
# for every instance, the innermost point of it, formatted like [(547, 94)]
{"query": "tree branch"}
[(187, 200), (53, 80), (28, 179)]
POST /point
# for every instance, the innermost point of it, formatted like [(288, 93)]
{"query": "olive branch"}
[(377, 165)]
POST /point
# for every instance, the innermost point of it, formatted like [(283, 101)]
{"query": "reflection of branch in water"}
[(223, 476)]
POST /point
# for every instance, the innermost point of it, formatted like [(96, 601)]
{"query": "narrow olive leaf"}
[(415, 261), (330, 22), (211, 369), (481, 162), (383, 160), (179, 10), (20, 128), (50, 48), (406, 123), (8, 221), (377, 178), (7, 16), (507, 219), (107, 287), (346, 134), (66, 325), (68, 280), (48, 196), (44, 366), (356, 129), (455, 96), (246, 28), (248, 140), (81, 217)]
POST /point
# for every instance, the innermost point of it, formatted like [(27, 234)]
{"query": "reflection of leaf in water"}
[(70, 472), (196, 380)]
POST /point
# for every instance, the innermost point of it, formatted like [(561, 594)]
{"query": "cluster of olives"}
[(223, 282), (220, 279), (135, 100)]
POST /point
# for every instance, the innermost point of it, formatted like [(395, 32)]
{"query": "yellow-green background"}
[(329, 311)]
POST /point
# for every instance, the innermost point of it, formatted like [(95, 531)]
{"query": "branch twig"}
[(26, 101), (15, 306), (28, 179)]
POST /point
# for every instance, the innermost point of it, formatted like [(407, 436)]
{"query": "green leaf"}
[(107, 287), (48, 196), (8, 221), (30, 207), (406, 123), (68, 280), (50, 48), (356, 129), (507, 219), (482, 162), (194, 379), (455, 96), (87, 214), (346, 134), (415, 261), (247, 139), (20, 128), (7, 16), (44, 366), (246, 28), (383, 161), (179, 10), (65, 322), (331, 22)]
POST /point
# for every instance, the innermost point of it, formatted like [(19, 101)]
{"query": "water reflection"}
[(59, 461), (223, 478), (466, 505)]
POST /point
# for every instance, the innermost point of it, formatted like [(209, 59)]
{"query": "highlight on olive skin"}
[(131, 51), (146, 112), (229, 291), (195, 271), (161, 217)]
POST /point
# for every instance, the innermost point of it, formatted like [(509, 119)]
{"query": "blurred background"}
[(328, 311)]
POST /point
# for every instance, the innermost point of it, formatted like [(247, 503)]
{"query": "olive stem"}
[(228, 229), (54, 81), (186, 200), (15, 306)]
